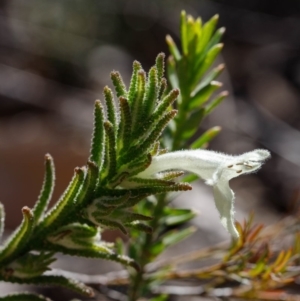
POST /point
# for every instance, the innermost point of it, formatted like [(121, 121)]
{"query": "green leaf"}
[(183, 32), (150, 182), (157, 248), (111, 108), (151, 92), (47, 189), (191, 125), (24, 297), (132, 201), (93, 253), (163, 88), (128, 217), (87, 189), (203, 95), (216, 38), (133, 87), (139, 226), (198, 27), (160, 298), (137, 104), (172, 73), (160, 67), (163, 106), (208, 29), (203, 65), (170, 175), (175, 236), (213, 74), (98, 139), (190, 178), (30, 265), (175, 216), (120, 246), (173, 48), (169, 239), (150, 123), (14, 244), (136, 192), (118, 84), (191, 36), (71, 284), (111, 158), (66, 201), (116, 200), (215, 102), (146, 145), (206, 137), (125, 124)]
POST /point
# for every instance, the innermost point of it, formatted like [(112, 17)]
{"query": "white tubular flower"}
[(216, 169)]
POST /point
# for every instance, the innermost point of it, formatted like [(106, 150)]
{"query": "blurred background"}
[(55, 59)]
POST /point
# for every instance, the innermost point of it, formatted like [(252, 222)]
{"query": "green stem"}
[(137, 279)]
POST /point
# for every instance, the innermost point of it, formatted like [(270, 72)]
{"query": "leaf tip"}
[(48, 157), (27, 212)]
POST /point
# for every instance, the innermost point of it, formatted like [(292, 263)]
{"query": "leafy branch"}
[(188, 71), (101, 193)]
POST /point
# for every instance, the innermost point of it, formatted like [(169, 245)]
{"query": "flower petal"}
[(224, 198)]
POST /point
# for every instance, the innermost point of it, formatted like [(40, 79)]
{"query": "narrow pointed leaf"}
[(90, 253), (19, 238), (137, 104), (151, 182), (203, 95), (62, 281), (111, 155), (216, 38), (98, 138), (213, 74), (160, 298), (118, 84), (208, 29), (163, 88), (160, 189), (151, 92), (111, 108), (140, 227), (125, 124), (173, 48), (154, 135), (215, 102), (132, 201), (164, 105), (24, 297), (183, 32), (133, 87), (203, 65), (191, 37), (172, 73), (88, 186), (206, 137), (160, 67), (65, 201), (174, 216), (150, 123), (174, 237), (47, 189), (190, 127)]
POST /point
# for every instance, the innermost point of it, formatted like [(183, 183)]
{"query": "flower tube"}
[(213, 167)]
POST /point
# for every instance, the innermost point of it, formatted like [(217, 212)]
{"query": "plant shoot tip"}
[(48, 157)]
